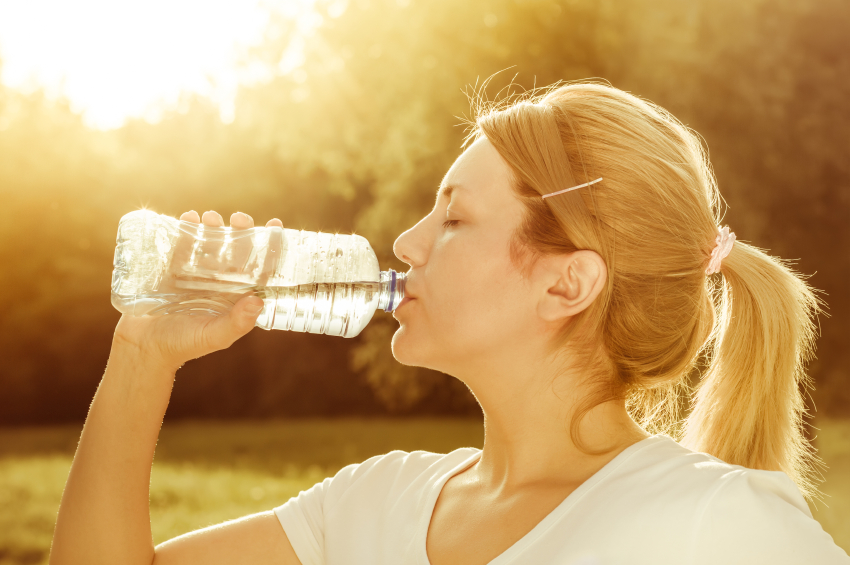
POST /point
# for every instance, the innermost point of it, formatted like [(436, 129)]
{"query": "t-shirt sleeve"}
[(756, 517), (303, 517), (303, 520)]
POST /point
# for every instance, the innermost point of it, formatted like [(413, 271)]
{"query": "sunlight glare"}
[(115, 59)]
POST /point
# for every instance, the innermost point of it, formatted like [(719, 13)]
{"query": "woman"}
[(568, 275)]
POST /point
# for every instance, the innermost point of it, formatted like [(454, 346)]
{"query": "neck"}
[(527, 424)]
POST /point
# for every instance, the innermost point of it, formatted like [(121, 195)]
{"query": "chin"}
[(410, 350), (401, 347)]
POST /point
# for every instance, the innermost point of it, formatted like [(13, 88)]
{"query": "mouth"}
[(404, 301), (408, 295)]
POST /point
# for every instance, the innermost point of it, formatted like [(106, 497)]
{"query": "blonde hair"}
[(660, 318)]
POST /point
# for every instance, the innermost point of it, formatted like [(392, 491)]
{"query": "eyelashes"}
[(450, 223)]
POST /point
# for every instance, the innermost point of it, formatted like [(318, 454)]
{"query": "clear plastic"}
[(309, 281)]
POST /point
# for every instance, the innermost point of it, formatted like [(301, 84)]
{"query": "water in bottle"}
[(309, 282)]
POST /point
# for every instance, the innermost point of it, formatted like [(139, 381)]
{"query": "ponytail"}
[(749, 407)]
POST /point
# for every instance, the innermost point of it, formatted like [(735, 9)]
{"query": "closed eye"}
[(450, 223)]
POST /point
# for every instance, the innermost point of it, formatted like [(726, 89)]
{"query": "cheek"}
[(488, 307), (476, 303), (465, 280)]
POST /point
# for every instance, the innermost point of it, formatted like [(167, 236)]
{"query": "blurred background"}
[(338, 115)]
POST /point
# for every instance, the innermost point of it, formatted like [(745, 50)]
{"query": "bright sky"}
[(115, 59)]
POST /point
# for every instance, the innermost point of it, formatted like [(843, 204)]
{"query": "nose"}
[(410, 246)]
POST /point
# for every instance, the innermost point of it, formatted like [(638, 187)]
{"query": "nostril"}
[(405, 259)]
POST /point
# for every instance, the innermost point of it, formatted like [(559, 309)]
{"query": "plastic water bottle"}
[(310, 282)]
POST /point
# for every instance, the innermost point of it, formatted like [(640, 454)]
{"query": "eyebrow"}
[(447, 189)]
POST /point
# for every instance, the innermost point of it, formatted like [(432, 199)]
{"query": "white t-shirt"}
[(656, 503)]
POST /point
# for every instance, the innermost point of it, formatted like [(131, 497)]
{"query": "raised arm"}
[(104, 517)]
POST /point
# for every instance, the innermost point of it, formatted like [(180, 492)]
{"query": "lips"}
[(407, 298), (408, 295)]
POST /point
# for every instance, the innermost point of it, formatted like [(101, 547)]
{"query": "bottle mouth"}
[(392, 290)]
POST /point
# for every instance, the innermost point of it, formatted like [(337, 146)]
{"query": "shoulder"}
[(737, 515), (722, 487), (390, 474), (360, 495), (754, 515), (399, 468), (668, 464)]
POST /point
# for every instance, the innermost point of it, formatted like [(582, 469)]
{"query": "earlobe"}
[(576, 279)]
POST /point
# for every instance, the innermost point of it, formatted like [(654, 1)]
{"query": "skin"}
[(494, 338), (469, 312)]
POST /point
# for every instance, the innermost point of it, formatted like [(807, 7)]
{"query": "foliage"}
[(206, 473), (357, 139)]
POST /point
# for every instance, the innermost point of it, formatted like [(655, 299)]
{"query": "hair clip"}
[(572, 188)]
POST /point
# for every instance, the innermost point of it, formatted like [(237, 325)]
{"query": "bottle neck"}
[(392, 290)]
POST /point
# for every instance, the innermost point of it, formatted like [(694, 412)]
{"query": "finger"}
[(225, 330), (209, 249), (241, 221), (274, 222), (190, 216), (213, 219), (183, 258), (242, 253)]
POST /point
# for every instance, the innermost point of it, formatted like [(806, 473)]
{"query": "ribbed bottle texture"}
[(309, 281)]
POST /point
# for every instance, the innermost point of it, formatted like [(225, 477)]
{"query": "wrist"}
[(136, 387), (129, 354)]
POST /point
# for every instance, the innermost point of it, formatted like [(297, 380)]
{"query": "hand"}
[(171, 340)]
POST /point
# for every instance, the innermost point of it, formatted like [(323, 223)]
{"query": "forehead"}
[(479, 172)]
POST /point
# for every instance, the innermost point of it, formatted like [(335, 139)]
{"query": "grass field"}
[(207, 472)]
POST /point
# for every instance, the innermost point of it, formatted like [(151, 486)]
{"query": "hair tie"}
[(572, 188), (724, 241)]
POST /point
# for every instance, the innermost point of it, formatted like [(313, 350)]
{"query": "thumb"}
[(238, 322)]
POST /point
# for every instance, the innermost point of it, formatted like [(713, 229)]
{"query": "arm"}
[(254, 540), (104, 515)]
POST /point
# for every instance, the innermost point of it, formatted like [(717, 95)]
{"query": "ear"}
[(571, 283)]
